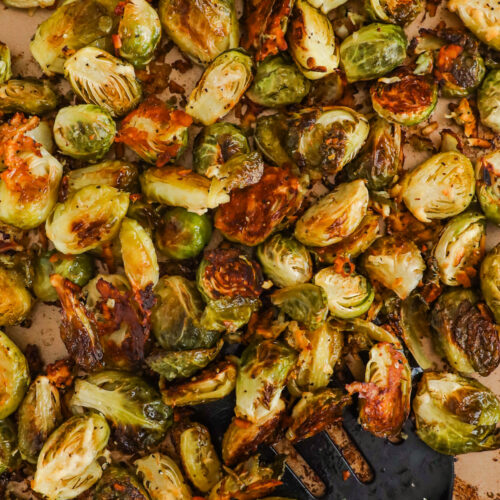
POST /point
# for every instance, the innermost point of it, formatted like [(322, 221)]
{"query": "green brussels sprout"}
[(119, 174), (278, 82), (155, 132), (211, 384), (104, 80), (89, 217), (366, 334), (71, 26), (220, 87), (228, 314), (182, 234), (8, 446), (162, 478), (30, 96), (467, 336), (311, 41), (335, 216), (490, 281), (440, 187), (396, 263), (395, 12), (460, 248), (202, 31), (488, 100), (5, 63), (328, 90), (15, 300), (84, 132), (138, 417), (216, 144), (456, 414), (270, 135), (348, 294), (285, 261), (373, 51), (116, 483), (488, 185), (384, 396), (326, 139), (306, 303), (38, 415), (68, 462)]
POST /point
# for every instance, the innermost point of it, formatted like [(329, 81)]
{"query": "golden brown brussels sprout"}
[(155, 132), (220, 87), (202, 30), (15, 300), (441, 187), (488, 100), (30, 96), (312, 42), (8, 446), (119, 483), (396, 263), (38, 415), (467, 335), (400, 12), (385, 394), (5, 63), (488, 185), (490, 281), (68, 463), (372, 51), (90, 217), (335, 216), (104, 80), (456, 414)]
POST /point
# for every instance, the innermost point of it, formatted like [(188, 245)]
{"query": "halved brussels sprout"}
[(460, 248), (116, 483), (348, 294), (104, 80), (71, 26), (385, 394), (30, 96), (373, 51), (400, 12), (488, 100), (202, 30), (88, 218), (15, 300), (84, 132), (42, 134), (326, 139), (157, 133), (5, 63), (306, 303), (278, 82), (466, 334), (328, 90), (137, 415), (8, 446), (366, 333), (490, 281), (405, 98), (396, 263), (182, 234), (229, 314), (214, 382), (311, 41), (220, 87), (68, 463), (456, 414), (38, 415), (440, 187), (270, 136), (335, 216), (285, 261), (488, 185)]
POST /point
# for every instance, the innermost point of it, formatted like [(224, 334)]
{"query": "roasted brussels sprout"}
[(335, 216), (202, 31), (456, 414), (137, 415), (348, 294), (104, 80), (488, 185), (88, 218), (15, 300), (311, 41), (326, 139), (285, 261), (395, 12), (488, 100), (490, 281), (117, 482), (84, 132), (441, 187), (373, 51), (385, 394), (30, 96), (8, 446), (38, 415), (220, 87), (155, 132), (68, 463), (5, 63), (278, 82), (460, 248), (270, 136), (467, 335), (229, 314)]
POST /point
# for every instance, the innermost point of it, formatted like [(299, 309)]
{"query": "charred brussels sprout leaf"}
[(229, 314), (8, 446), (456, 414), (488, 185), (399, 12), (488, 100), (30, 96), (490, 281), (117, 482), (5, 63), (15, 300), (270, 137)]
